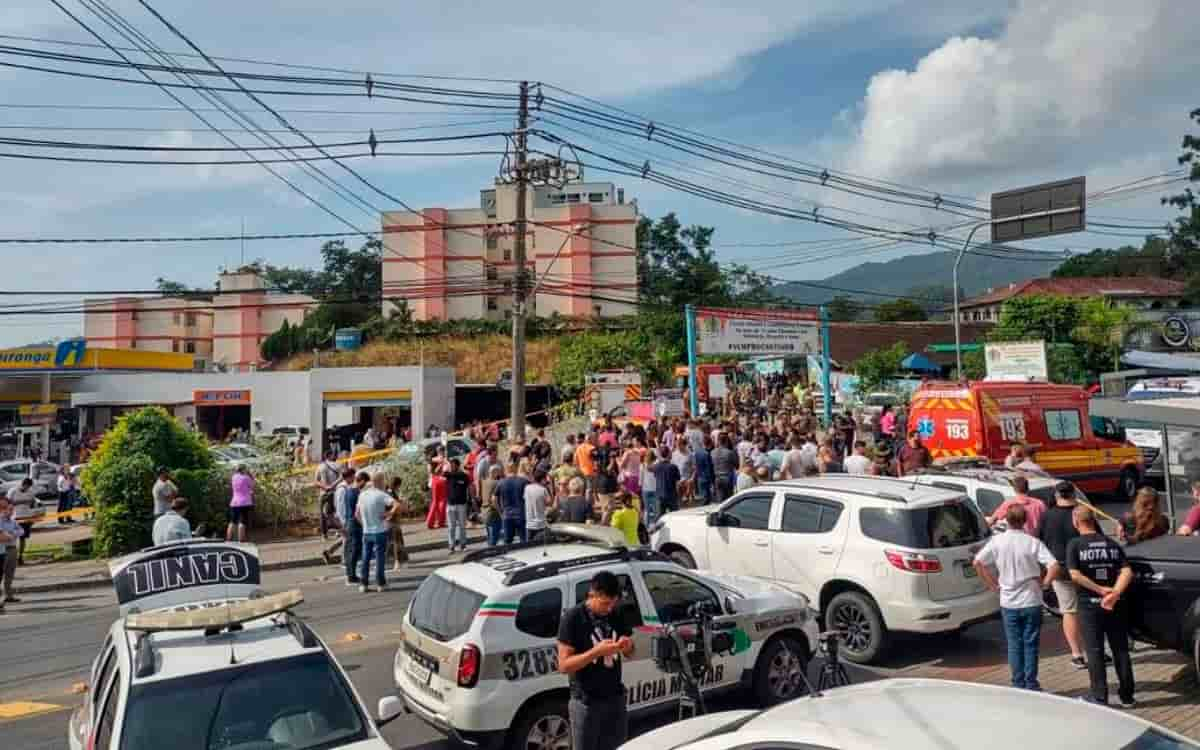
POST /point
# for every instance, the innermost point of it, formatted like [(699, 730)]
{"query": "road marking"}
[(25, 709)]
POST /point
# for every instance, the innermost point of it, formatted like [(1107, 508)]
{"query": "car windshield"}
[(301, 703)]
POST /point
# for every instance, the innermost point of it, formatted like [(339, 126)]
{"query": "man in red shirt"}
[(913, 455), (1191, 524), (1034, 508)]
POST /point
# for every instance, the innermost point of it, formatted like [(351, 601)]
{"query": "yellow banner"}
[(75, 355), (38, 410)]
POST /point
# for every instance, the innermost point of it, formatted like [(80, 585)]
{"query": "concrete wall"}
[(277, 398)]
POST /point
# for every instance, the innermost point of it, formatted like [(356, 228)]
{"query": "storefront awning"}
[(401, 397)]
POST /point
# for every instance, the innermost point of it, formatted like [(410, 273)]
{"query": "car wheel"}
[(680, 556), (780, 672), (546, 726), (1129, 485), (856, 617)]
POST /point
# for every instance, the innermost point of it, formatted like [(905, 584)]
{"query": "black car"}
[(1165, 600)]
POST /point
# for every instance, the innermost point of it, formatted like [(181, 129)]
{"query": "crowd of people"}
[(629, 475)]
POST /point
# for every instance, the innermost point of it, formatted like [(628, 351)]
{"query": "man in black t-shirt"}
[(593, 638), (457, 485), (1056, 531), (1098, 566)]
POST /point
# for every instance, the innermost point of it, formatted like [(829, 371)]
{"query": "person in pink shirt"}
[(1034, 508), (240, 505)]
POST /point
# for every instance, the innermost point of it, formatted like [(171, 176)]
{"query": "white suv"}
[(877, 555)]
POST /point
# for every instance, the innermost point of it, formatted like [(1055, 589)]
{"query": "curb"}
[(98, 581)]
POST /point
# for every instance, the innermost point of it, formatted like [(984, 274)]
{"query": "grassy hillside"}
[(476, 359)]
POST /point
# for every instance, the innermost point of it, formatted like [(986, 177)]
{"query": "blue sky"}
[(957, 97)]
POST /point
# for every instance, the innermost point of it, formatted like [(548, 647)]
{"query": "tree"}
[(119, 477), (1185, 232), (879, 366), (898, 310), (842, 309), (934, 299), (1083, 335), (169, 288), (676, 266)]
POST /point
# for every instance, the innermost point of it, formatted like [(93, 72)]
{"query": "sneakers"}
[(1079, 662), (352, 582), (1128, 703), (362, 589), (382, 588)]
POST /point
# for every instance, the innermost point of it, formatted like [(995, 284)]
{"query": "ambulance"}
[(985, 419)]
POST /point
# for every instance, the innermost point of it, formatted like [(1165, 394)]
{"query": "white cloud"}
[(1066, 84)]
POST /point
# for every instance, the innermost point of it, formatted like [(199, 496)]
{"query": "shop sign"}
[(38, 414), (1016, 360), (221, 397), (731, 331)]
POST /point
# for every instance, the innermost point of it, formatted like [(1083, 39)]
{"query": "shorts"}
[(240, 514), (1068, 597)]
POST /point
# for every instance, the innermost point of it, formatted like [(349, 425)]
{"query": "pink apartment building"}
[(226, 329), (447, 264)]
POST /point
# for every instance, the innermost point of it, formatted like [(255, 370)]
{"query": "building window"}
[(491, 241), (190, 319), (175, 318), (490, 272), (596, 310), (174, 345), (573, 197), (507, 253), (190, 347), (508, 286), (557, 199), (491, 304), (595, 197)]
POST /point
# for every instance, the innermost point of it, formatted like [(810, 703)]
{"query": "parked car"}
[(456, 447), (989, 486), (238, 454), (876, 555), (1165, 600), (43, 473), (292, 432), (918, 713), (986, 418), (478, 660)]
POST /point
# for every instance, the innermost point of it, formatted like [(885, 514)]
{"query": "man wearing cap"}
[(164, 492), (1057, 531), (1098, 567)]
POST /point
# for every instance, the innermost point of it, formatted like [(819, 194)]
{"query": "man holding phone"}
[(1098, 567), (593, 638)]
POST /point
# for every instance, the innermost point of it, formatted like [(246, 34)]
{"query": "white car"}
[(914, 713), (990, 486), (875, 554), (292, 433), (195, 661), (479, 657)]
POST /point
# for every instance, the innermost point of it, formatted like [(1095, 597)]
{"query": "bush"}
[(120, 476)]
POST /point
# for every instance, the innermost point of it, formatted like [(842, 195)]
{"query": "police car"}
[(201, 659), (478, 659)]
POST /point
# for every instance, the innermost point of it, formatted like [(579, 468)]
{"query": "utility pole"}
[(521, 144)]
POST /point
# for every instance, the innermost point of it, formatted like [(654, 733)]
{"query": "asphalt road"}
[(47, 643)]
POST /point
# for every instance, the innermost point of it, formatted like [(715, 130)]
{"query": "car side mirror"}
[(389, 708), (713, 519)]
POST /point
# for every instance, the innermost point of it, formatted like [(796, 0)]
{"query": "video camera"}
[(688, 646)]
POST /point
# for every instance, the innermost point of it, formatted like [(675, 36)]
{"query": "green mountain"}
[(925, 272)]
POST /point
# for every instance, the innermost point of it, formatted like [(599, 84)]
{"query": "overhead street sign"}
[(1062, 205)]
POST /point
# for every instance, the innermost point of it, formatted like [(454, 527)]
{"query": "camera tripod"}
[(833, 673)]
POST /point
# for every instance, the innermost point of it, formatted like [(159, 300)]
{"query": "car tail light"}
[(469, 660), (913, 562)]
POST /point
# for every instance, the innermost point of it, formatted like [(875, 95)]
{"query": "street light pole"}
[(958, 260)]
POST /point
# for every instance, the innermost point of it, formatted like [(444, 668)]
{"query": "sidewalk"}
[(1167, 689), (65, 576)]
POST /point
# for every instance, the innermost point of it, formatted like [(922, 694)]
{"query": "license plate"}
[(419, 672)]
